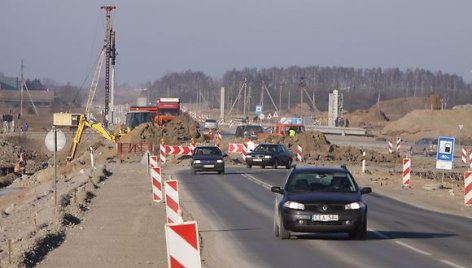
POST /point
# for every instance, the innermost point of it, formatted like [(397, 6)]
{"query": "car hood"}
[(207, 157), (325, 197)]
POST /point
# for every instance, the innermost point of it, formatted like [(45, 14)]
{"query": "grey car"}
[(425, 146)]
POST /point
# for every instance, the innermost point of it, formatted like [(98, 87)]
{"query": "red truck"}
[(167, 109)]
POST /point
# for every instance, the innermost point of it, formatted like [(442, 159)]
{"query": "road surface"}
[(235, 216)]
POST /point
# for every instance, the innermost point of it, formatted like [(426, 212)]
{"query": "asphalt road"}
[(235, 216)]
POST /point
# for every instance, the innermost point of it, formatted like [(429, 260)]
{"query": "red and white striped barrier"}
[(178, 150), (390, 147), (162, 154), (245, 150), (156, 184), (406, 171), (153, 161), (183, 247), (299, 152), (464, 155), (468, 188), (231, 123), (399, 144), (235, 148), (470, 159), (172, 202)]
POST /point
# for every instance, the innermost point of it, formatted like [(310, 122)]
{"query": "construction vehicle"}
[(135, 118), (96, 126), (167, 109)]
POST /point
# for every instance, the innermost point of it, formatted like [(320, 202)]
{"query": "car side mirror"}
[(366, 190), (277, 190)]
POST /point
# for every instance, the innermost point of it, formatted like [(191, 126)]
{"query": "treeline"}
[(361, 87)]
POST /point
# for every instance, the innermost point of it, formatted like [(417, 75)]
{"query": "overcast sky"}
[(61, 39)]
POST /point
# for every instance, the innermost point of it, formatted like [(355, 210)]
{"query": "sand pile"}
[(432, 123), (178, 131), (317, 147)]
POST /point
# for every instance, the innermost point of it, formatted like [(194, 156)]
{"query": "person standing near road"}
[(292, 132)]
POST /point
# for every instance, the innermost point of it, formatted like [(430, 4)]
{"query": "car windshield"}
[(266, 148), (321, 182), (207, 151)]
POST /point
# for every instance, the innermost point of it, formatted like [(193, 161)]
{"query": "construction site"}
[(45, 193)]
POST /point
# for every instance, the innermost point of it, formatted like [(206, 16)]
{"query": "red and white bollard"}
[(468, 188), (399, 144), (390, 147), (183, 245), (406, 171), (172, 202), (163, 154), (244, 152), (156, 184), (470, 159), (299, 153), (464, 155)]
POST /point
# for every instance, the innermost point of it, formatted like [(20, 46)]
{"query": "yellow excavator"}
[(97, 126)]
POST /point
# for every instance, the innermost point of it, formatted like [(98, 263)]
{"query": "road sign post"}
[(55, 141), (445, 153)]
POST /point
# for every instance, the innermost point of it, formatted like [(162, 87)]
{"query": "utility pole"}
[(21, 89), (302, 87), (280, 97), (108, 31)]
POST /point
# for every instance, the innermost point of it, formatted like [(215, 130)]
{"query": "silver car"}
[(425, 146)]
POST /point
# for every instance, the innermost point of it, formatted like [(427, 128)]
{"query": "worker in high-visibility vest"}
[(292, 132)]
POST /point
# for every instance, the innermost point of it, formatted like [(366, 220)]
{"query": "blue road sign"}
[(445, 153)]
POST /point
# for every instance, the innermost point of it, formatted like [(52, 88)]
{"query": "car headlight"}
[(267, 156), (197, 161), (219, 161), (354, 205), (294, 205), (248, 156)]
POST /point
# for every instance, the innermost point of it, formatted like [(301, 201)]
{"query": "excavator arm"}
[(96, 126)]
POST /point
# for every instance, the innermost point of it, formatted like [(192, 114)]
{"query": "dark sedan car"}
[(208, 158), (268, 154), (320, 199)]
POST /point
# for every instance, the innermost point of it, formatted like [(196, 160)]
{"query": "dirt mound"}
[(180, 130), (368, 119), (432, 123), (316, 147)]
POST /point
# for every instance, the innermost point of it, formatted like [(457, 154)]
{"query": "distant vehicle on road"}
[(320, 199), (207, 158), (268, 154), (210, 123), (249, 131), (425, 146)]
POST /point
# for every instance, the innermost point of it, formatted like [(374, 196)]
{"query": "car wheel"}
[(275, 164), (262, 166), (283, 233), (248, 165), (221, 172), (289, 164), (361, 233)]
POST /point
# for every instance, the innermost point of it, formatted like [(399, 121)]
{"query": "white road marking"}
[(452, 264), (413, 248), (378, 233), (257, 181)]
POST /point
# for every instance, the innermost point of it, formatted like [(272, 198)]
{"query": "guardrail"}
[(338, 130)]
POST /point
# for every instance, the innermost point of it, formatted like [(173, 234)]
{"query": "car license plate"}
[(208, 166), (257, 160), (323, 217)]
